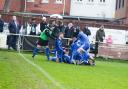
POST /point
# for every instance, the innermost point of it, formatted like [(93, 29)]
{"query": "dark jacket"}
[(76, 32), (61, 28), (55, 31), (13, 28), (1, 25), (43, 26), (100, 34), (87, 31), (69, 32)]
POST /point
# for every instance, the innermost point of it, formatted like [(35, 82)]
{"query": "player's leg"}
[(77, 58), (35, 51), (47, 51), (68, 59), (37, 48)]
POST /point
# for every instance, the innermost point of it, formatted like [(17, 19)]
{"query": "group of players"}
[(77, 53)]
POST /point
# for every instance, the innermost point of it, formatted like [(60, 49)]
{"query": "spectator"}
[(55, 29), (87, 31), (69, 31), (43, 24), (33, 26), (61, 26), (1, 24), (100, 35), (14, 28), (76, 31)]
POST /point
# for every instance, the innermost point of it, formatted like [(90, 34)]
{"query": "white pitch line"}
[(43, 72)]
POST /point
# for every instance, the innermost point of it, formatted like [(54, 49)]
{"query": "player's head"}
[(61, 35)]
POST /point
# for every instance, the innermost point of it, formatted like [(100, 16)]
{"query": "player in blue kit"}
[(81, 56), (59, 48), (61, 54)]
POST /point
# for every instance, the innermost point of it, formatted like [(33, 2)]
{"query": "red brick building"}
[(49, 6), (38, 6), (1, 4), (122, 11), (13, 5)]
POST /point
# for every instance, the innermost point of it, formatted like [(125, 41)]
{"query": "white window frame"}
[(78, 1), (59, 1), (44, 1), (30, 0)]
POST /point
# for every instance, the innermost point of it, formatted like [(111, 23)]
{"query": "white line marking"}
[(43, 72)]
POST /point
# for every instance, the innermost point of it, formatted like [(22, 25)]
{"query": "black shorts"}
[(42, 42)]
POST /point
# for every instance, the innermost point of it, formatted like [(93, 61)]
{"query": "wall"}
[(121, 13), (2, 4), (93, 9), (49, 8)]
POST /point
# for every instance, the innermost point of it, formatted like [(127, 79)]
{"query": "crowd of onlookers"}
[(57, 26)]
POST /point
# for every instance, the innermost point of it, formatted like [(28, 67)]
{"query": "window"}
[(45, 1), (59, 1), (79, 0), (102, 0), (90, 0), (30, 0), (117, 4), (122, 3)]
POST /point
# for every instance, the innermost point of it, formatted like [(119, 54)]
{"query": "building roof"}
[(66, 17)]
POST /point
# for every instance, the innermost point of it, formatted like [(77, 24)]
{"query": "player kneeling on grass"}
[(81, 56), (59, 48), (43, 40), (65, 57), (61, 55)]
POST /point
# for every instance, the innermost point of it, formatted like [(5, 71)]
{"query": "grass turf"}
[(16, 73)]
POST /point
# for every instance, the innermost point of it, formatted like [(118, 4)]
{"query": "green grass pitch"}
[(16, 73)]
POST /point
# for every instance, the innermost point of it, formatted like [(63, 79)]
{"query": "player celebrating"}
[(58, 47), (61, 54), (82, 54)]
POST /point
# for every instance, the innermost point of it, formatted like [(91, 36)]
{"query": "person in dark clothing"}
[(76, 31), (61, 27), (87, 31), (14, 28), (33, 26), (100, 35), (55, 29), (1, 24), (43, 24), (69, 31)]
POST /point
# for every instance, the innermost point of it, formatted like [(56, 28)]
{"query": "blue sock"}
[(48, 53), (35, 51)]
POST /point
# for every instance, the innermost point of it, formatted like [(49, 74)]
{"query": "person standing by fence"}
[(100, 36), (1, 24), (14, 28), (33, 26)]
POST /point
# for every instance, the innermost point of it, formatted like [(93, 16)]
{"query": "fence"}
[(28, 42)]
